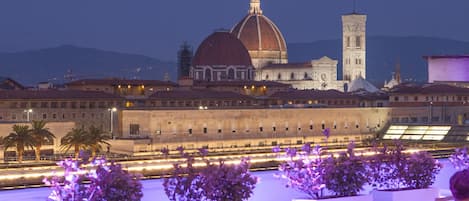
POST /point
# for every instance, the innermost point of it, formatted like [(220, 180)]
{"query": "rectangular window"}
[(348, 41), (358, 42), (205, 130), (261, 129), (134, 129)]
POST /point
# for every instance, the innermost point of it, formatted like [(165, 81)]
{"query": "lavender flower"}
[(276, 149), (460, 158), (203, 152), (306, 148), (326, 132)]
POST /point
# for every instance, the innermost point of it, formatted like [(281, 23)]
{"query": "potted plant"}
[(306, 171), (106, 181), (346, 175), (400, 176), (214, 181)]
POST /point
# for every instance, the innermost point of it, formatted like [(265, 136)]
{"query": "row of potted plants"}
[(389, 170), (312, 170)]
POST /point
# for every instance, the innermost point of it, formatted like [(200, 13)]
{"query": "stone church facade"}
[(267, 50)]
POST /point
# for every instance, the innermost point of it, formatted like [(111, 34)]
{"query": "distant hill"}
[(383, 52), (51, 64)]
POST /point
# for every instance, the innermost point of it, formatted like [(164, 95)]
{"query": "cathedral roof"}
[(306, 65), (221, 48), (257, 32), (361, 84)]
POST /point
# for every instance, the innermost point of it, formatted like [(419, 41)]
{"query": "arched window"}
[(279, 76), (267, 77), (208, 74), (305, 76), (231, 74), (292, 76)]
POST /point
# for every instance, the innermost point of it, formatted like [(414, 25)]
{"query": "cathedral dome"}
[(221, 48), (261, 37)]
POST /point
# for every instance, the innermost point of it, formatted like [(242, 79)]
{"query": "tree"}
[(41, 135), (20, 138), (76, 138), (95, 137)]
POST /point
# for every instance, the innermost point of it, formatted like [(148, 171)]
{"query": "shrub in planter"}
[(460, 158), (106, 182), (214, 181), (346, 174), (421, 170), (306, 171), (394, 173), (303, 171), (393, 169)]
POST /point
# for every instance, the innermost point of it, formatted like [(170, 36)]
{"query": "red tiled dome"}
[(257, 32), (221, 48)]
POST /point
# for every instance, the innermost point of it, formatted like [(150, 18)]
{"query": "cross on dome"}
[(255, 7)]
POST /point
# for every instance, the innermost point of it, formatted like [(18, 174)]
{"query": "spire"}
[(398, 71), (255, 7)]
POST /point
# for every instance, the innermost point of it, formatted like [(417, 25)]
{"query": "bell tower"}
[(353, 46)]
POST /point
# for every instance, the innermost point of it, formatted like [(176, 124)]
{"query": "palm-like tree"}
[(76, 138), (41, 135), (95, 138), (20, 138)]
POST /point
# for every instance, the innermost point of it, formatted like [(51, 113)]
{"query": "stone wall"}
[(251, 127)]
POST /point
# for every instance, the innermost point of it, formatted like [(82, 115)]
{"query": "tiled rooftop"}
[(115, 82), (55, 94)]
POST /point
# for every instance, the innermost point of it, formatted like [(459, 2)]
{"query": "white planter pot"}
[(427, 194), (351, 198)]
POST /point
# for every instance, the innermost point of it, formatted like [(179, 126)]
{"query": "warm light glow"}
[(119, 86), (143, 86), (245, 87), (128, 86), (417, 132)]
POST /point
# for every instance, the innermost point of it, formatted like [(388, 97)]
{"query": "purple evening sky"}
[(156, 28)]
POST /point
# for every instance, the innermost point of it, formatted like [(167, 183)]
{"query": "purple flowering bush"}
[(460, 158), (303, 170), (212, 182), (106, 182), (393, 169), (346, 174)]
